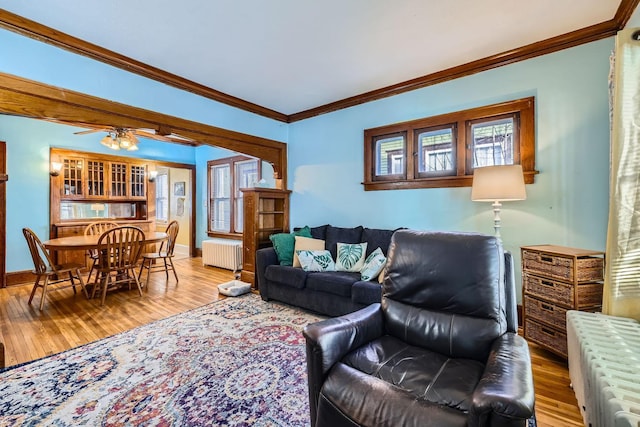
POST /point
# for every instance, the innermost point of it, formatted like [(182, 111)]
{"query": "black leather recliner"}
[(441, 349)]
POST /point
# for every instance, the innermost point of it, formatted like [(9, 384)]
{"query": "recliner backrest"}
[(445, 291)]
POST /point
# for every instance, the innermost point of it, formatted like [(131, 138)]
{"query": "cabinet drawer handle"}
[(544, 258), (546, 306), (546, 283), (548, 332)]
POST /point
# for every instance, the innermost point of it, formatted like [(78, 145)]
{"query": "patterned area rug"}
[(236, 362)]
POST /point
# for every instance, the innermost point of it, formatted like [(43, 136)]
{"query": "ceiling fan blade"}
[(84, 132)]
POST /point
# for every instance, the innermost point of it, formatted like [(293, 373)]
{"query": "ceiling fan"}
[(124, 138)]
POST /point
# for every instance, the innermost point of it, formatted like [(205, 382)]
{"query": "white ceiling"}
[(293, 55)]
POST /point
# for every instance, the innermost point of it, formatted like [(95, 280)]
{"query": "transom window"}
[(443, 151), (226, 177)]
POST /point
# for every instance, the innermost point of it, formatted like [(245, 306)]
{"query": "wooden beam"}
[(22, 97)]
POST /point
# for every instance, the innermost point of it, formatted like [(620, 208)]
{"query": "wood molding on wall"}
[(592, 33), (20, 277), (40, 32), (27, 98)]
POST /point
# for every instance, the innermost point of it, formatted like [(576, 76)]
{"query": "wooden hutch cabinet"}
[(556, 279), (266, 212), (96, 187)]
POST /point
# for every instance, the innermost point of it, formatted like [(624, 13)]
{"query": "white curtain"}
[(622, 276)]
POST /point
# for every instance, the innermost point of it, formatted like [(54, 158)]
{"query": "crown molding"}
[(592, 33), (554, 44), (32, 29)]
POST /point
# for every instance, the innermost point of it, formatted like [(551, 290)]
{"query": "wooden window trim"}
[(463, 177), (231, 162)]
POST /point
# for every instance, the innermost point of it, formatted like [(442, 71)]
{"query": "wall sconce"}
[(55, 169), (498, 184), (153, 175)]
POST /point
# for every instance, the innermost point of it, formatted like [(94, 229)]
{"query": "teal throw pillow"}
[(316, 260), (284, 243), (350, 256), (373, 265)]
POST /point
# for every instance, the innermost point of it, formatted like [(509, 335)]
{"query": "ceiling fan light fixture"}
[(109, 141)]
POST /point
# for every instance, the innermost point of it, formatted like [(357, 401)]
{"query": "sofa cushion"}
[(425, 374), (284, 243), (342, 235), (377, 238), (316, 260), (305, 244), (319, 232), (350, 256), (285, 275), (333, 282), (373, 265), (366, 292)]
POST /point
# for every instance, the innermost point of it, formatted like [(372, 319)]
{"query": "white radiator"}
[(604, 366), (222, 253)]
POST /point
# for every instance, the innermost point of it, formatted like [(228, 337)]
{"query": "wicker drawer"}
[(589, 294), (545, 312), (559, 267), (548, 337)]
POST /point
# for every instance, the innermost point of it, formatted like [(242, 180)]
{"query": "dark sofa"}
[(332, 293)]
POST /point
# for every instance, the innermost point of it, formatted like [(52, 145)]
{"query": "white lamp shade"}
[(498, 183)]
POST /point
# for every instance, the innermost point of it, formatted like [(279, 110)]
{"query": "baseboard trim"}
[(20, 277)]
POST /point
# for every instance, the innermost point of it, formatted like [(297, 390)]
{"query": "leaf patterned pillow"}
[(350, 256), (373, 265), (316, 260)]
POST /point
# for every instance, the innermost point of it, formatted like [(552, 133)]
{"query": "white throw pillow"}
[(350, 256), (316, 260), (373, 265), (305, 244)]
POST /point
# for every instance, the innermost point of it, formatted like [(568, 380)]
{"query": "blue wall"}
[(567, 205), (28, 141)]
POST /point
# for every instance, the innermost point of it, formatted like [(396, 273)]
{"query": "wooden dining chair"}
[(151, 261), (45, 269), (96, 229), (119, 250)]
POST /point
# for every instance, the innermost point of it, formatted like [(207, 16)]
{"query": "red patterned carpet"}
[(236, 362)]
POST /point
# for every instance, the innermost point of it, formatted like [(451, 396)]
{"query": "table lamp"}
[(498, 184)]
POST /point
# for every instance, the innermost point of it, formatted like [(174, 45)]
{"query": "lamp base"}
[(496, 219)]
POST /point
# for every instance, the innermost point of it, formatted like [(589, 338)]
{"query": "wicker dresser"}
[(556, 279)]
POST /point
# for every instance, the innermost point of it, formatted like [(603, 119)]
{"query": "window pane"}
[(435, 150), (239, 215), (492, 142), (221, 181), (162, 197), (246, 175), (221, 215), (220, 198), (390, 155)]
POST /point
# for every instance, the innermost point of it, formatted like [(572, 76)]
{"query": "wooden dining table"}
[(91, 241)]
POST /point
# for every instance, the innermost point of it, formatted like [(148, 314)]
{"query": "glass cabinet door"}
[(96, 178), (118, 180), (138, 173), (72, 177)]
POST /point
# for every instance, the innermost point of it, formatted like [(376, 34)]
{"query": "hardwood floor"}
[(70, 320)]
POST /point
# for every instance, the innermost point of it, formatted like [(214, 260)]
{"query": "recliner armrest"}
[(330, 340), (264, 258), (505, 394)]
